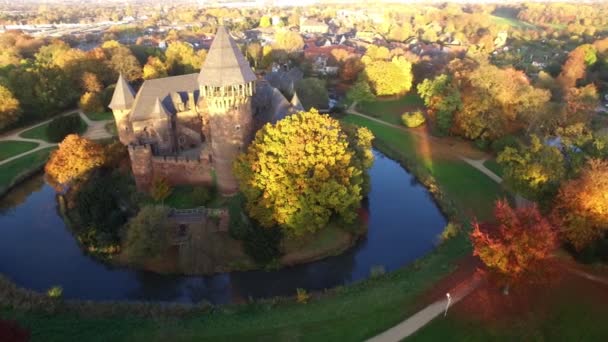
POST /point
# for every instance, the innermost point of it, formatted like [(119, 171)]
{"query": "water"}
[(38, 252)]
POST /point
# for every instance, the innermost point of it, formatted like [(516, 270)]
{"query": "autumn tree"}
[(122, 60), (288, 41), (74, 159), (254, 52), (154, 68), (161, 189), (534, 171), (350, 69), (389, 78), (9, 108), (302, 171), (516, 243), (182, 59), (575, 67), (581, 208), (147, 233), (91, 102), (265, 21), (442, 98)]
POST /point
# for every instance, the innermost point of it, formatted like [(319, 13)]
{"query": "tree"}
[(265, 21), (581, 209), (181, 59), (254, 51), (91, 102), (74, 159), (123, 62), (575, 67), (313, 93), (91, 83), (154, 68), (302, 171), (389, 78), (516, 243), (147, 233), (9, 108), (360, 92), (442, 98), (534, 171), (350, 69), (161, 189), (288, 41)]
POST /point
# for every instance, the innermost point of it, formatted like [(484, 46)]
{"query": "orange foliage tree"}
[(581, 208), (516, 243), (74, 159)]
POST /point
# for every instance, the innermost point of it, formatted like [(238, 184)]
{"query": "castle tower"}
[(122, 101), (226, 84)]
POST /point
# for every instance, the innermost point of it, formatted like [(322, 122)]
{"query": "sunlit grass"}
[(12, 148)]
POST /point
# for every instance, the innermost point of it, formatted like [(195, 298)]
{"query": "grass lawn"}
[(391, 110), (472, 191), (185, 197), (513, 22), (12, 148), (493, 166), (40, 132), (12, 170), (100, 116)]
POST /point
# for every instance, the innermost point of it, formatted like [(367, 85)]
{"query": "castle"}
[(189, 129)]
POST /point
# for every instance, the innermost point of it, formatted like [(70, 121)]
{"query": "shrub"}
[(161, 189), (62, 126), (450, 231), (55, 292), (91, 102), (147, 233), (262, 244), (302, 296), (413, 119), (500, 144)]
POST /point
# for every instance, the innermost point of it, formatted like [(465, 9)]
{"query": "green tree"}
[(442, 98), (360, 92), (534, 171), (301, 172), (313, 93), (147, 233)]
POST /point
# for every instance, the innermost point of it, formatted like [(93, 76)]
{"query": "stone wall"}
[(176, 170)]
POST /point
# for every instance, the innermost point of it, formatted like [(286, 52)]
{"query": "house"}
[(313, 26)]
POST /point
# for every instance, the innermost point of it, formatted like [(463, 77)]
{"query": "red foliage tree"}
[(516, 243)]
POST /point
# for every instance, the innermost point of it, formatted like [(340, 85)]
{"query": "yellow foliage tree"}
[(91, 102), (74, 159), (9, 107), (302, 171), (389, 78), (154, 68)]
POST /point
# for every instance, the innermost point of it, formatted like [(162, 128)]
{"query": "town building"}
[(189, 129)]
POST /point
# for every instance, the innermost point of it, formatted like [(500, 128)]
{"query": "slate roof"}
[(225, 65), (161, 89), (123, 96)]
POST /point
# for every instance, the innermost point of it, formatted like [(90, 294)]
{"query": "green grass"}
[(12, 170), (12, 148), (494, 167), (391, 110), (182, 198), (40, 132), (100, 116), (472, 191), (513, 22)]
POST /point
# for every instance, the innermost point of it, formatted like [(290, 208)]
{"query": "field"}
[(11, 148), (12, 170), (391, 110)]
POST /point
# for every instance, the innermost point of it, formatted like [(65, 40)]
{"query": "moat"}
[(37, 251)]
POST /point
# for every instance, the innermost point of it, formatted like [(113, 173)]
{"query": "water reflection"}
[(37, 251)]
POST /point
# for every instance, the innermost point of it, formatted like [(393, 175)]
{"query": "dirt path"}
[(424, 316), (95, 130)]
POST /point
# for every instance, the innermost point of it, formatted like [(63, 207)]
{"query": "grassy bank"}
[(390, 110), (12, 148), (40, 132), (17, 170), (100, 116)]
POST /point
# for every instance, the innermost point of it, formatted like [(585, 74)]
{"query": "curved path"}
[(95, 130)]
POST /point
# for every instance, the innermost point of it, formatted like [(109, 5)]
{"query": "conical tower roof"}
[(225, 65), (159, 110), (296, 103), (123, 96)]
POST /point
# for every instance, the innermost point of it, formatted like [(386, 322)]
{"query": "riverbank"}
[(18, 170)]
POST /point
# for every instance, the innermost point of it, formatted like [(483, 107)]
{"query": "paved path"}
[(424, 316), (95, 130)]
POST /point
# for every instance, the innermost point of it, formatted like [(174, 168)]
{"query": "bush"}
[(91, 102), (62, 126), (500, 144), (413, 119), (55, 292), (302, 296), (148, 233), (262, 244), (450, 231)]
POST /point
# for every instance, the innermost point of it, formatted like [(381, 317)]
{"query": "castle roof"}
[(162, 89), (225, 65), (159, 110), (295, 102), (123, 96)]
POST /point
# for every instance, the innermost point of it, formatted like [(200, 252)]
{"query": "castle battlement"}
[(139, 147), (177, 160)]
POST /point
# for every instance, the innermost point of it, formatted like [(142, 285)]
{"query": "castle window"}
[(237, 127)]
